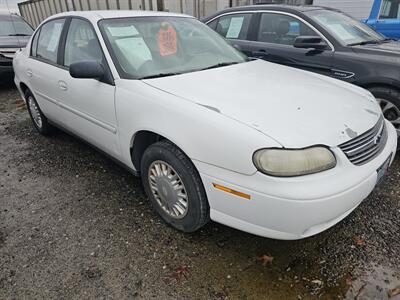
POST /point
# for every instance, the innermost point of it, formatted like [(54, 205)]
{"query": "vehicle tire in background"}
[(389, 101), (174, 187), (39, 120)]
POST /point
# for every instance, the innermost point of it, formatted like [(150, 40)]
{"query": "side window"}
[(234, 26), (281, 29), (35, 43), (47, 46), (390, 9), (82, 43), (213, 24)]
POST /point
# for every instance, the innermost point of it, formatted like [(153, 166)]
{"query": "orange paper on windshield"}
[(167, 39)]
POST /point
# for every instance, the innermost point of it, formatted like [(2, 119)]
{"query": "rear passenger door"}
[(43, 68), (275, 34), (235, 27)]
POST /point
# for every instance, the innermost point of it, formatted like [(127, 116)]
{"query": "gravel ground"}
[(75, 225)]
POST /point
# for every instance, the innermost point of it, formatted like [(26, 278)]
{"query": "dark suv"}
[(320, 40), (14, 34)]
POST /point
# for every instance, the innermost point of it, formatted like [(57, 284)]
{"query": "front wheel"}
[(174, 187), (389, 101)]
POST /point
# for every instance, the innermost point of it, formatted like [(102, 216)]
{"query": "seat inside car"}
[(282, 31)]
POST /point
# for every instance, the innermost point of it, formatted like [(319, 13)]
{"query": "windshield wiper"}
[(160, 75), (19, 34), (224, 64), (388, 40), (177, 73), (371, 42)]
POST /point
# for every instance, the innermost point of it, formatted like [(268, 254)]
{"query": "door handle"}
[(62, 85), (260, 53), (29, 73)]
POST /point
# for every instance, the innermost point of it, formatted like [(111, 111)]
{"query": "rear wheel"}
[(389, 101), (39, 120), (174, 187)]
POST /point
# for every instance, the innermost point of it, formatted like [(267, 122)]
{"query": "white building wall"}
[(359, 9)]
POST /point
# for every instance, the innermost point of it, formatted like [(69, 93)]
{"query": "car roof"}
[(301, 8), (96, 15), (274, 7)]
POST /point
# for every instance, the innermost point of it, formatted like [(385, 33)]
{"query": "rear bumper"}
[(292, 208)]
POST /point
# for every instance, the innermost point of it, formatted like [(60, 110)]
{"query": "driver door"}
[(276, 33), (88, 104)]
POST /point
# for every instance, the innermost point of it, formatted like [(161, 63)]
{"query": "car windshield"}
[(344, 28), (14, 26), (149, 47)]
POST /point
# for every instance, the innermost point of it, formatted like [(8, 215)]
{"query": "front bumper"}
[(6, 67), (297, 207)]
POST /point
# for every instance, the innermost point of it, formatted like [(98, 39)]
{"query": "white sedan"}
[(260, 147)]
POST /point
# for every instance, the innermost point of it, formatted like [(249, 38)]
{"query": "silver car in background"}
[(15, 33)]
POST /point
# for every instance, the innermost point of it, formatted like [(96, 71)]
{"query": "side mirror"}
[(237, 47), (87, 69), (310, 42)]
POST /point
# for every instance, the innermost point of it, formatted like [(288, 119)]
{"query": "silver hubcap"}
[(168, 189), (391, 113), (35, 112)]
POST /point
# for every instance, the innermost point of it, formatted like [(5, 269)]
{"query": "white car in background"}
[(260, 147)]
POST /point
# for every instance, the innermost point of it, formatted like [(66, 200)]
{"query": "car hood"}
[(390, 47), (294, 107), (14, 41)]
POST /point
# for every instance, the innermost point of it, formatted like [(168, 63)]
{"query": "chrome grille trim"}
[(366, 146)]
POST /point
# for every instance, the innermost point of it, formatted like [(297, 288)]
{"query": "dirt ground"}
[(73, 225)]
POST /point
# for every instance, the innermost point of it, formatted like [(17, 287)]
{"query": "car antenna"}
[(13, 25)]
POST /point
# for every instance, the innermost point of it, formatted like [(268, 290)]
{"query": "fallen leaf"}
[(265, 259), (359, 241), (349, 281), (177, 275), (394, 292), (20, 103)]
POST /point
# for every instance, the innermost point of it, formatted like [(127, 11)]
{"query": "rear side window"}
[(82, 43), (235, 26), (390, 9), (48, 41)]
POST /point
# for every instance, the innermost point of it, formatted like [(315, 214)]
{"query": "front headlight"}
[(293, 162)]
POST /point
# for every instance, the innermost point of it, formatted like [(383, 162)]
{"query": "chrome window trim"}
[(281, 13)]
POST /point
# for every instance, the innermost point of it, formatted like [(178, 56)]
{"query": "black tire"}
[(44, 127), (197, 214), (392, 96)]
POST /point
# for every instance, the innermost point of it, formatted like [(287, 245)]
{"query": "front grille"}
[(366, 146), (5, 62)]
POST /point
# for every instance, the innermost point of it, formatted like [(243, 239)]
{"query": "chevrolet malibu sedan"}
[(261, 147)]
